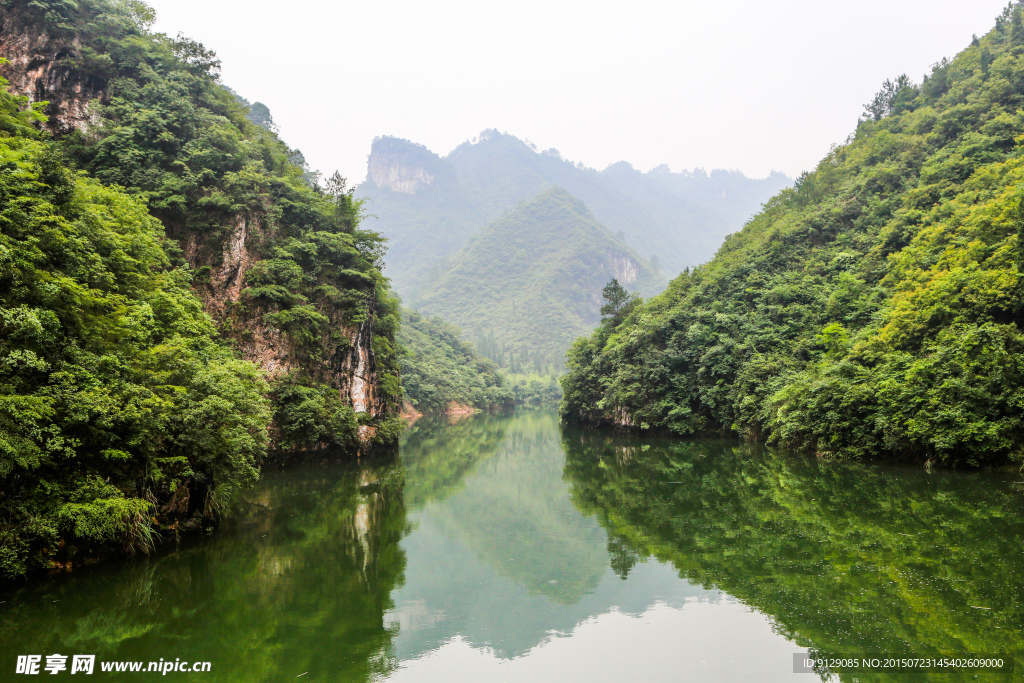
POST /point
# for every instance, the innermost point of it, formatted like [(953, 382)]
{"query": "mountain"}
[(178, 304), (530, 283), (874, 308), (282, 266), (428, 206), (421, 207), (440, 369)]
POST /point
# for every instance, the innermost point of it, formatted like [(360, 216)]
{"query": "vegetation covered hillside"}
[(121, 411), (429, 206), (176, 298), (281, 264), (874, 308), (438, 368), (530, 283)]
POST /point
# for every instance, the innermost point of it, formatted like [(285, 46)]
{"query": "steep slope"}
[(531, 282), (874, 308), (150, 235), (281, 265), (121, 411), (680, 217), (439, 368), (420, 206), (429, 206)]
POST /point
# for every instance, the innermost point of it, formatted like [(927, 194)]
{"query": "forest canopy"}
[(119, 404), (874, 308), (146, 249)]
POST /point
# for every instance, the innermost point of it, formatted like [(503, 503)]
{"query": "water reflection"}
[(845, 558), (509, 581), (509, 548), (299, 584)]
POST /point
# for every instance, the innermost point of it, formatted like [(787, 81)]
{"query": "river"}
[(510, 548)]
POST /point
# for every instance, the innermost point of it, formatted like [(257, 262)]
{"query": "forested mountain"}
[(530, 282), (165, 268), (429, 206), (439, 368), (876, 307)]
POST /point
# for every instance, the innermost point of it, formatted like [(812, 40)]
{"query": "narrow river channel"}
[(510, 548)]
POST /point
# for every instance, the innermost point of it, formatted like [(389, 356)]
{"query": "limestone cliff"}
[(347, 363), (43, 68), (406, 167), (625, 268)]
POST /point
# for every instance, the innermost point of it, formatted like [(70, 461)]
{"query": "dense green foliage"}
[(530, 283), (439, 368), (172, 135), (124, 414), (873, 308), (120, 410), (844, 558), (533, 389), (679, 218), (329, 564), (301, 581)]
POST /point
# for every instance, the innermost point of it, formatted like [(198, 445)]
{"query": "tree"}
[(260, 114), (887, 99), (618, 301), (347, 209)]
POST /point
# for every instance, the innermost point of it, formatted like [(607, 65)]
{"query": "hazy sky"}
[(753, 85)]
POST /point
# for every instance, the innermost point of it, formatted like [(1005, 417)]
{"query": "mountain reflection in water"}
[(510, 548)]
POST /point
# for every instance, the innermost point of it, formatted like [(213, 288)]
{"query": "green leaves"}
[(109, 371), (438, 368), (874, 308), (311, 417)]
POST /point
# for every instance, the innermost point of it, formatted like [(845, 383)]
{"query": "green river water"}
[(510, 548)]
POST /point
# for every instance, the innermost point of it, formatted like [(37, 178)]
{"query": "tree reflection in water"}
[(845, 558), (500, 531), (299, 583)]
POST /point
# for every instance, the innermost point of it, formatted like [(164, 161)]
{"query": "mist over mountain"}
[(530, 282), (428, 205)]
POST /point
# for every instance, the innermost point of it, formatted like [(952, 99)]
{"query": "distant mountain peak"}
[(531, 280), (679, 217), (405, 166), (622, 167)]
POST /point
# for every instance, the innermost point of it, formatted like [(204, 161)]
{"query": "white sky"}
[(753, 85)]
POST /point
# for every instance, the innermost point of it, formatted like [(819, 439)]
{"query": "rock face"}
[(385, 173), (626, 269), (349, 366), (39, 69), (405, 167), (43, 69)]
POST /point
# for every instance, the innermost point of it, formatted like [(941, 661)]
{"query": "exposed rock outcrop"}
[(626, 269), (409, 412), (399, 178), (349, 365), (456, 408), (55, 68), (406, 167), (42, 68)]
